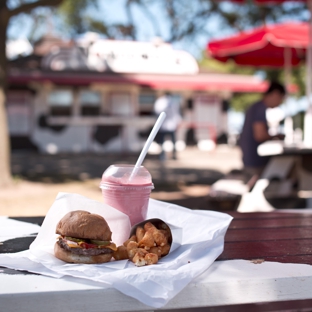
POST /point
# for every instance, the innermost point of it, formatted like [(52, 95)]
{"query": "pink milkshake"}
[(130, 197)]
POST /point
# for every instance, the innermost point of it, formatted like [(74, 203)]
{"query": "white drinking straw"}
[(147, 145)]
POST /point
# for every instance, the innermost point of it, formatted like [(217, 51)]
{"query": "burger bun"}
[(83, 224)]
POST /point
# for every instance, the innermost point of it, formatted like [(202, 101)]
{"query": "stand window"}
[(146, 103), (60, 102), (90, 102)]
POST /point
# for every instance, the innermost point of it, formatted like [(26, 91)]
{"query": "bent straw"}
[(147, 145)]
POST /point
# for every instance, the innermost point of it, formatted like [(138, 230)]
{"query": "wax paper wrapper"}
[(43, 246), (198, 239)]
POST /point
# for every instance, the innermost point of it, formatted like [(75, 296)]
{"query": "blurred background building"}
[(97, 95)]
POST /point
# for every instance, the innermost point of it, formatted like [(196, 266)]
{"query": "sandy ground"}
[(185, 181)]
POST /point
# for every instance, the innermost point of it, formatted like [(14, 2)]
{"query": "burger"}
[(84, 238)]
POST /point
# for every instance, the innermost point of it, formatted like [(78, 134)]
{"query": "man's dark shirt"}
[(247, 142)]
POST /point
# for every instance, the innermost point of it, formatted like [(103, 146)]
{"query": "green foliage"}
[(78, 18), (184, 19), (97, 26), (250, 14), (209, 64), (241, 101), (299, 77), (75, 14)]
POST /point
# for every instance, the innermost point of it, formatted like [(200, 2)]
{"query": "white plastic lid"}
[(120, 174)]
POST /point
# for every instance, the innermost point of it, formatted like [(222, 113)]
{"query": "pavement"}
[(185, 181)]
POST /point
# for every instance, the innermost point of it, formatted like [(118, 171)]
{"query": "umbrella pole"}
[(288, 125), (308, 114)]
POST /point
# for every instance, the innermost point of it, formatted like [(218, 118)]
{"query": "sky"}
[(146, 32), (113, 12), (195, 46)]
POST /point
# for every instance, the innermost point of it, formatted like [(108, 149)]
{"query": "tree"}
[(6, 13), (189, 20)]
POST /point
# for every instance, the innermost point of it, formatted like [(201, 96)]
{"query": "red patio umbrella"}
[(308, 116), (279, 45), (269, 45)]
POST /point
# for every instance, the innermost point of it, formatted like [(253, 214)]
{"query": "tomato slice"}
[(87, 245)]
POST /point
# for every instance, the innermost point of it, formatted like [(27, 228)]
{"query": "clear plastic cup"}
[(129, 197)]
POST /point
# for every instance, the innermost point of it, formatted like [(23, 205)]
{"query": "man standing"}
[(255, 129), (168, 104)]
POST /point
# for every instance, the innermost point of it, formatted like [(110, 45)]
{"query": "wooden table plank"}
[(267, 250), (271, 223), (300, 259), (267, 215), (274, 236), (234, 235)]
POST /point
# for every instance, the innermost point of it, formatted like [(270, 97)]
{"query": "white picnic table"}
[(226, 283)]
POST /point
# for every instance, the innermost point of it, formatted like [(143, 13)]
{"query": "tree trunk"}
[(5, 161)]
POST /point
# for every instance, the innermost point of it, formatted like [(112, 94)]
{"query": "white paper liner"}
[(201, 243), (43, 245)]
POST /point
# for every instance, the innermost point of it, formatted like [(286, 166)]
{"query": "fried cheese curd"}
[(149, 243)]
